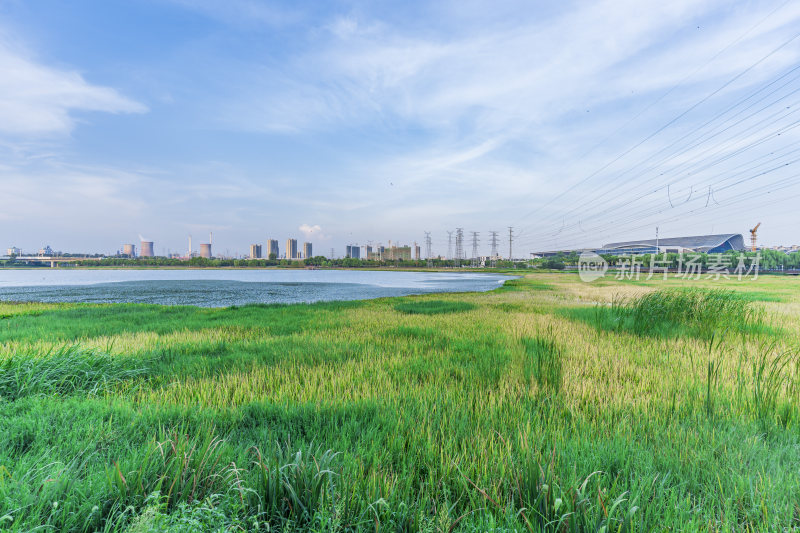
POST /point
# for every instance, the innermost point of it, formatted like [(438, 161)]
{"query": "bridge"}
[(54, 260)]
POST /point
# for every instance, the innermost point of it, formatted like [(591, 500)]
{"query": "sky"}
[(575, 123)]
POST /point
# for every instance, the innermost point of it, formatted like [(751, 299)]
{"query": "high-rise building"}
[(307, 250), (416, 251), (13, 251), (353, 251), (129, 250), (272, 248), (255, 251), (147, 249), (291, 248)]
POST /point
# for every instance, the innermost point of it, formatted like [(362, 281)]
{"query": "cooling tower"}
[(147, 249), (129, 250), (205, 251)]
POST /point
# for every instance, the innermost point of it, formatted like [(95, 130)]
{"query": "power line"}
[(681, 115), (652, 104), (697, 164), (645, 210), (744, 196), (706, 163), (734, 137), (612, 208)]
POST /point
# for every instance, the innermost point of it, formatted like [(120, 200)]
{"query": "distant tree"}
[(553, 264), (317, 260)]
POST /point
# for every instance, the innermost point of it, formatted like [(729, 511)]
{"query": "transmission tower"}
[(333, 252), (450, 245), (474, 249), (510, 241), (428, 248), (494, 248), (459, 246)]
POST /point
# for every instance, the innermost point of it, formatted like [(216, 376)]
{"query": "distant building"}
[(255, 251), (291, 248), (417, 252), (397, 253), (307, 250), (205, 250), (127, 249), (147, 249), (699, 243), (710, 244), (353, 251), (272, 248), (13, 251)]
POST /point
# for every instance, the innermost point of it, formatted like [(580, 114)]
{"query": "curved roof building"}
[(711, 244)]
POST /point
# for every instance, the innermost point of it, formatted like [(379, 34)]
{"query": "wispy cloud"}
[(39, 99)]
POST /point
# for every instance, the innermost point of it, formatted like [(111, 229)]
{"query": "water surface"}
[(219, 288)]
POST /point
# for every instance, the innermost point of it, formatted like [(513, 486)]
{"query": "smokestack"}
[(210, 238), (190, 247)]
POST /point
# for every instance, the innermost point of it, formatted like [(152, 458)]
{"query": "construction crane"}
[(753, 237)]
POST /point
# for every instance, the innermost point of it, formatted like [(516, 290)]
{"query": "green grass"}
[(433, 307), (670, 312), (545, 362), (661, 407), (62, 371)]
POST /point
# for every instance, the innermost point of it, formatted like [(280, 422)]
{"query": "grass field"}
[(547, 405)]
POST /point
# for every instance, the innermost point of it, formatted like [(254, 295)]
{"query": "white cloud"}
[(313, 232), (37, 99)]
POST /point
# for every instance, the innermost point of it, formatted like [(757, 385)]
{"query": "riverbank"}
[(535, 406)]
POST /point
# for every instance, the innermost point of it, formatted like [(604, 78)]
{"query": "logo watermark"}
[(591, 266), (689, 266)]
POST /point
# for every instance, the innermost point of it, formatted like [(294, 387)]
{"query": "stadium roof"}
[(697, 243)]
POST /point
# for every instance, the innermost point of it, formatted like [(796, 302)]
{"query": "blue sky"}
[(344, 122)]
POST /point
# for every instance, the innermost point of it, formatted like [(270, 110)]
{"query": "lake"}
[(221, 288)]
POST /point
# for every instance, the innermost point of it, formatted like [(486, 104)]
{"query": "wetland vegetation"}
[(546, 405)]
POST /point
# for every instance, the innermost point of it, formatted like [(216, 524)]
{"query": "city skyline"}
[(357, 116), (365, 251)]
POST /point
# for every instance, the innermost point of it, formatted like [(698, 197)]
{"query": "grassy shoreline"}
[(534, 407)]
